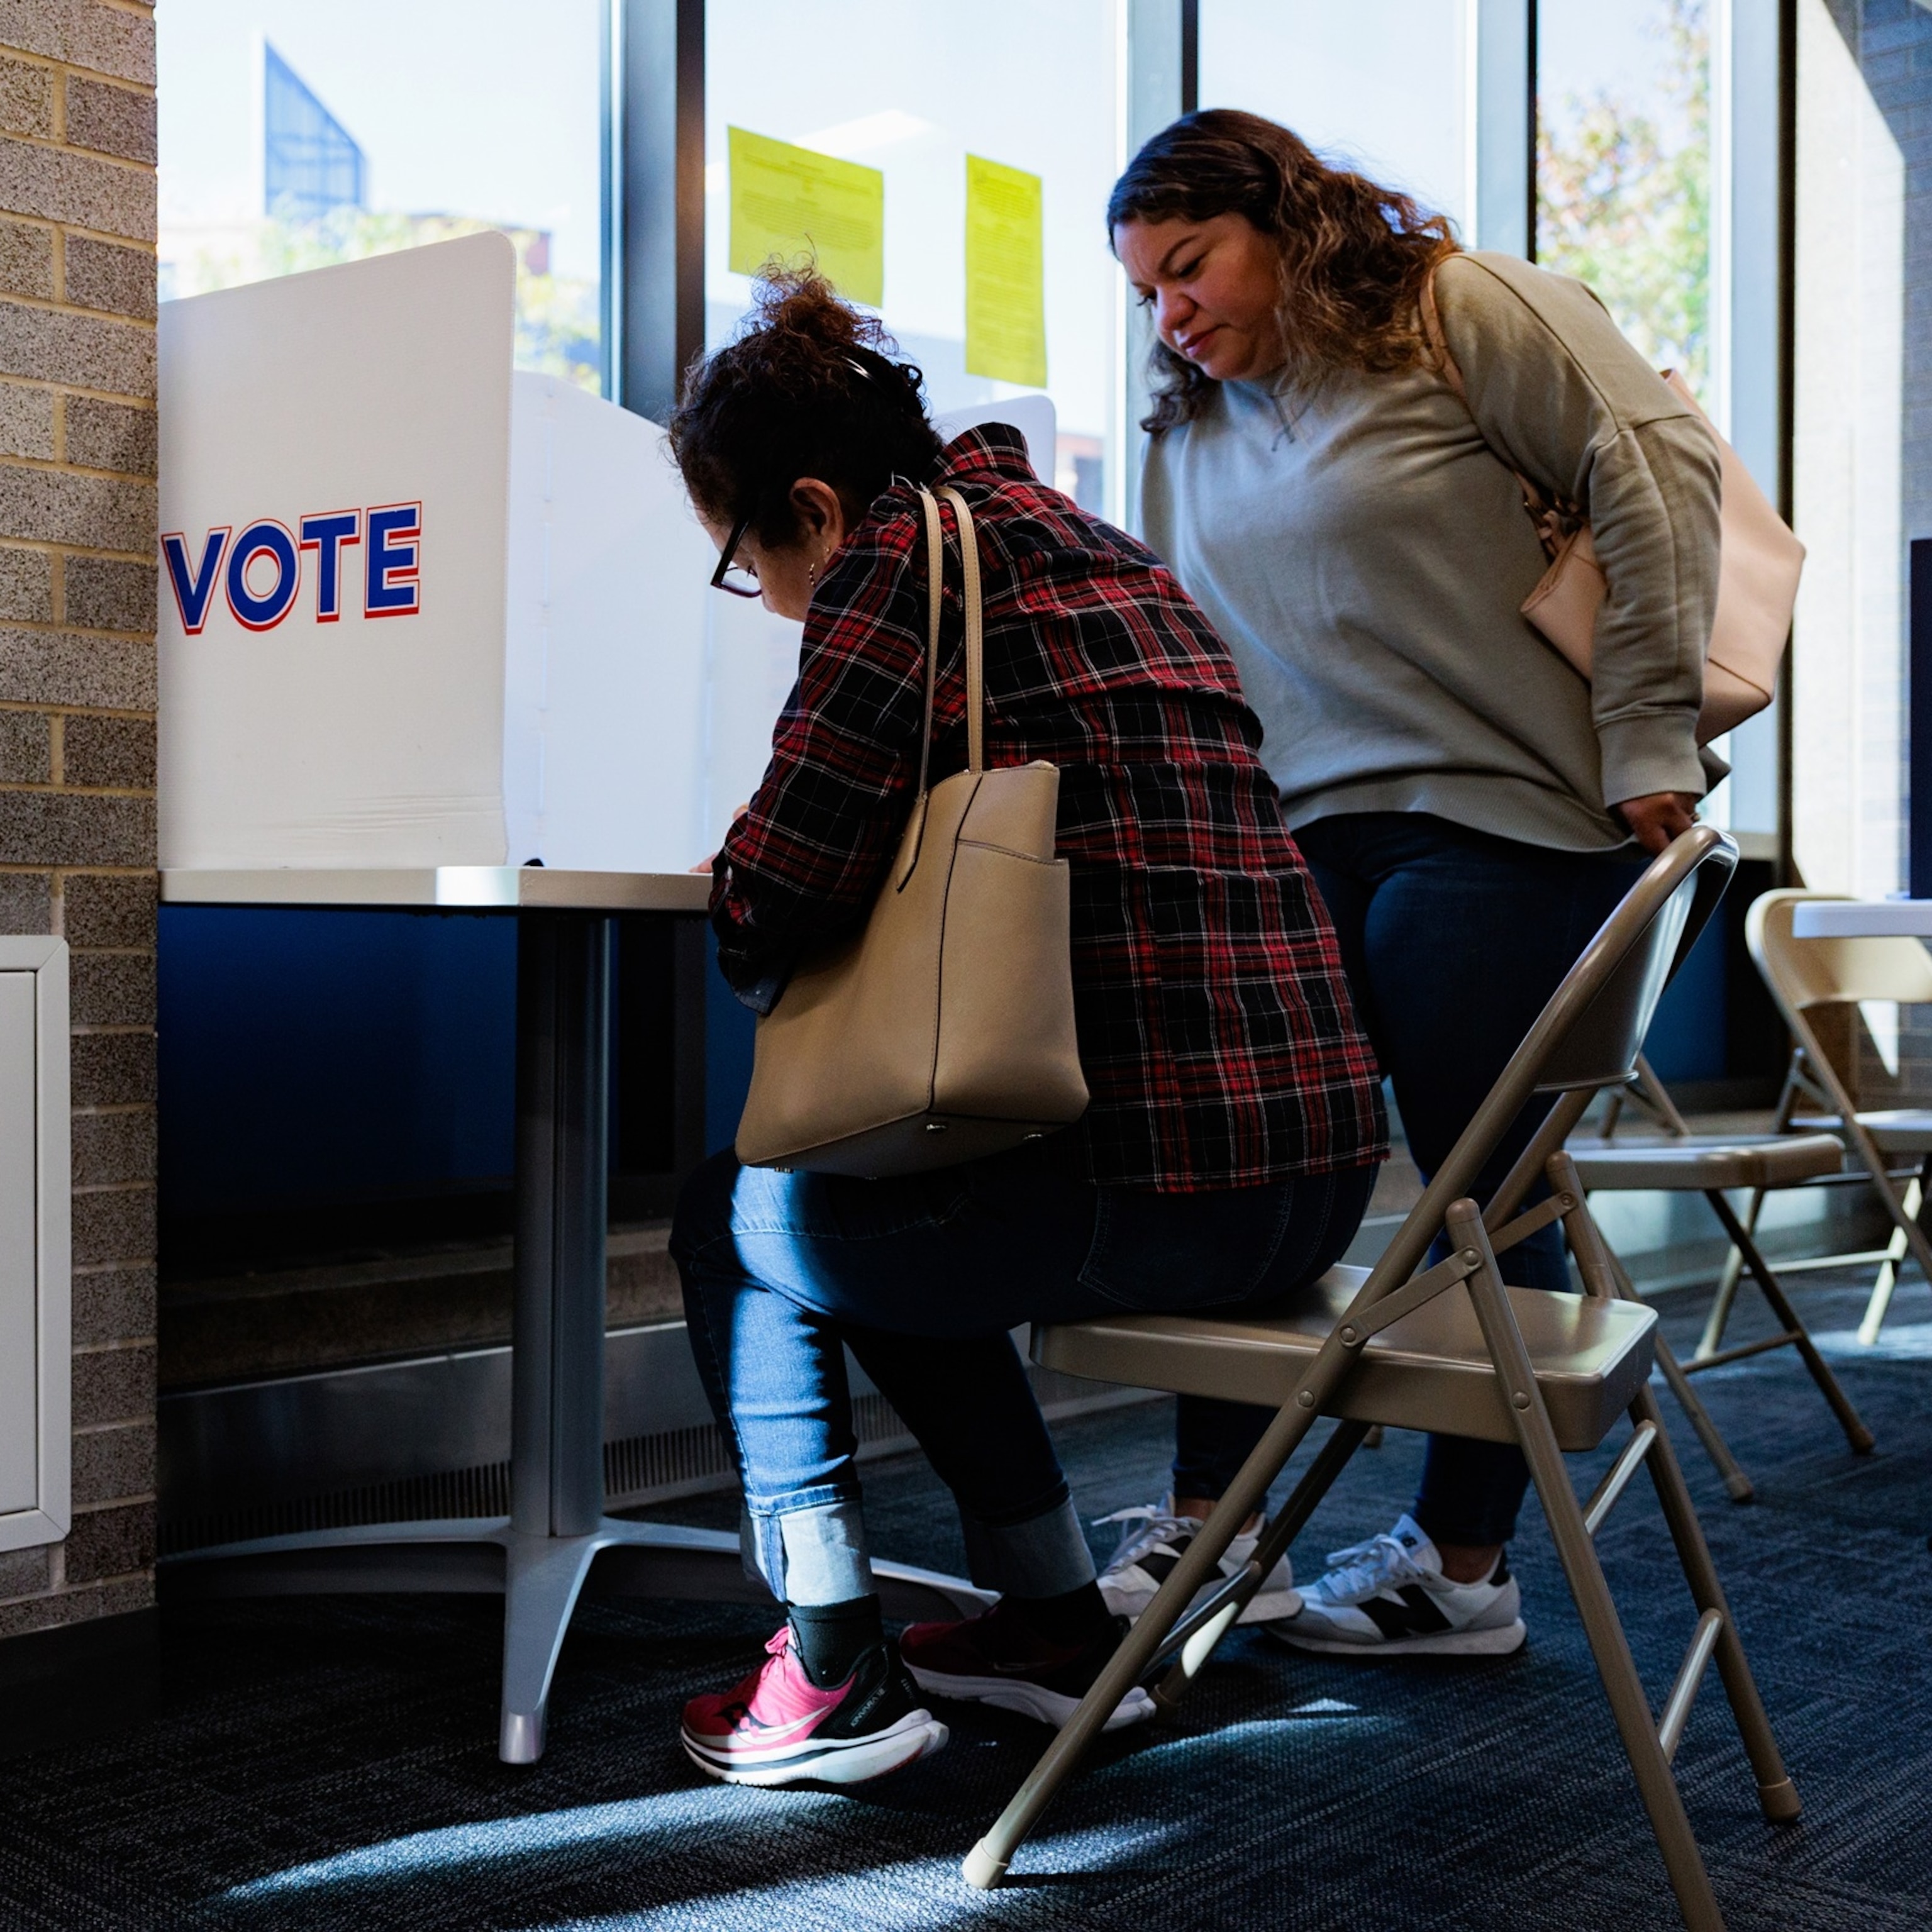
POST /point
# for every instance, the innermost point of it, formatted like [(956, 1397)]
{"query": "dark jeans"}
[(922, 1277), (1454, 941)]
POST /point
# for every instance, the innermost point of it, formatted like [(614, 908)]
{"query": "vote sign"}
[(323, 435)]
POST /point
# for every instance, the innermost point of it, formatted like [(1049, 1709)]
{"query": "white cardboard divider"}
[(604, 741), (296, 740), (536, 689), (417, 611)]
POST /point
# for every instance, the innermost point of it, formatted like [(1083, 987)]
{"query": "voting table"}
[(541, 1554), (436, 635), (1862, 918)]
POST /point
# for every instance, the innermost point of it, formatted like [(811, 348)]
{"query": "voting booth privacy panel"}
[(418, 609)]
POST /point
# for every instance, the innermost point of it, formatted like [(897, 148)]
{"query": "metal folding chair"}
[(1452, 1349), (1690, 1163), (1892, 1147)]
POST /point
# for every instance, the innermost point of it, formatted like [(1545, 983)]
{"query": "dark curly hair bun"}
[(807, 387)]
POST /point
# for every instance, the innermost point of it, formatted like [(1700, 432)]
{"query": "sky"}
[(460, 106), (1378, 82)]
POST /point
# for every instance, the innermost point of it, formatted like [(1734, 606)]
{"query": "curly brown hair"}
[(806, 388), (1354, 255)]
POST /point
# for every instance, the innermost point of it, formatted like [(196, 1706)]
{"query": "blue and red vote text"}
[(260, 572)]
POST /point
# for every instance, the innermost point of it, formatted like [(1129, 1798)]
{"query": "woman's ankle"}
[(1468, 1562), (832, 1637), (1198, 1509)]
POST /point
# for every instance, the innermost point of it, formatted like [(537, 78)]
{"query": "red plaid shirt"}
[(1215, 1031)]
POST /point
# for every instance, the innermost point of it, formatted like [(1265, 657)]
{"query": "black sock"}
[(832, 1637), (1073, 1617)]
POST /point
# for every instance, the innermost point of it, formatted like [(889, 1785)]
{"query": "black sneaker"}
[(997, 1658)]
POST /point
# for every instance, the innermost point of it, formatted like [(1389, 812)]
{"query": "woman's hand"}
[(1658, 817)]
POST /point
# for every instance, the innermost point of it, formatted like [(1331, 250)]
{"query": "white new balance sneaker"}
[(1388, 1597), (1140, 1565)]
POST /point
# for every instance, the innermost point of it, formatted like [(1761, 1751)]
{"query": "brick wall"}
[(77, 465)]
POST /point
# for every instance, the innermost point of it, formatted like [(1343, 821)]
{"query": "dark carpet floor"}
[(331, 1763)]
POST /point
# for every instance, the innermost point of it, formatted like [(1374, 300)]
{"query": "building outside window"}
[(288, 141)]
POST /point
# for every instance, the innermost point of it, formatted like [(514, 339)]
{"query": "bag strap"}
[(976, 667), (976, 673), (935, 569), (1548, 517)]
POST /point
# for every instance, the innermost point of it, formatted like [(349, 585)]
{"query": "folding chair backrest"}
[(1588, 1034), (1601, 1048), (1802, 973)]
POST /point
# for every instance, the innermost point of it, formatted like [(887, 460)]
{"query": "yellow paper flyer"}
[(1005, 284), (787, 201)]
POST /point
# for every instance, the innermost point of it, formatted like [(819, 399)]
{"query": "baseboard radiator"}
[(416, 1441)]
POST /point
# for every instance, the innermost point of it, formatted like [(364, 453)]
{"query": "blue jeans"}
[(923, 1276), (1454, 941)]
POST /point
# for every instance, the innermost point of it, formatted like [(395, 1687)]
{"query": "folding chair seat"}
[(1890, 1148), (1428, 1369), (1690, 1164), (1451, 1348)]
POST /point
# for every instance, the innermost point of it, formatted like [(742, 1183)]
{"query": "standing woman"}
[(1471, 808)]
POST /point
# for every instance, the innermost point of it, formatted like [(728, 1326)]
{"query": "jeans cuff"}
[(1046, 1556), (815, 1554)]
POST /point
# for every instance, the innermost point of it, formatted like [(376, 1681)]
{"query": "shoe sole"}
[(1029, 1699), (911, 1739), (1497, 1642), (1269, 1606)]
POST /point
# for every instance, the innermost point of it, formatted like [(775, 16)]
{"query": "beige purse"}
[(944, 1030), (1758, 567)]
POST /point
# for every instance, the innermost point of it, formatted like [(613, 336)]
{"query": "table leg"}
[(563, 1021), (541, 1556)]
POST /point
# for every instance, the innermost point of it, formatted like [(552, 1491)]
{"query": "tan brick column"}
[(77, 544)]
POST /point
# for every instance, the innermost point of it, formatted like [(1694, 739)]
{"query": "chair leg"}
[(1856, 1433), (1729, 1277), (1603, 1275), (986, 1864), (1732, 1272), (1777, 1794), (1737, 1485), (1917, 1243), (1617, 1669), (1216, 1617), (1887, 1283)]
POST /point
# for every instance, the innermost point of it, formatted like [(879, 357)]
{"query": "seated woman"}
[(1236, 1120)]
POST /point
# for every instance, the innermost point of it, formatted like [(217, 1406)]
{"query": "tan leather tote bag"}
[(944, 1030), (1758, 567)]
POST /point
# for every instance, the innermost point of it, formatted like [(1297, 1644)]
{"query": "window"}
[(1623, 170), (1861, 465), (1382, 85), (294, 135), (913, 95)]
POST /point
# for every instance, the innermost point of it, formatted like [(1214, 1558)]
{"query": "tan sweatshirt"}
[(1364, 551)]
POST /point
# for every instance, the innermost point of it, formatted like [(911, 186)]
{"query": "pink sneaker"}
[(777, 1727)]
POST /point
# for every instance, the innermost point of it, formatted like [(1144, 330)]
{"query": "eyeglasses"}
[(741, 580)]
